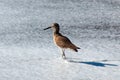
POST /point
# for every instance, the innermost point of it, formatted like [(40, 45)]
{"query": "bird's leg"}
[(63, 54)]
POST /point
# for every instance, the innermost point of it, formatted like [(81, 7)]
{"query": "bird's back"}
[(64, 42)]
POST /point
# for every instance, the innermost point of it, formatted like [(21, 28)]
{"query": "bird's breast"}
[(54, 39)]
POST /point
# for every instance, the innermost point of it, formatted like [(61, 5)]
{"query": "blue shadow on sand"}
[(93, 63)]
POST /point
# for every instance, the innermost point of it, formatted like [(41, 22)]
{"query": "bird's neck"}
[(56, 32)]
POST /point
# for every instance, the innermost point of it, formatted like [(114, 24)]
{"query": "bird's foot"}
[(64, 57)]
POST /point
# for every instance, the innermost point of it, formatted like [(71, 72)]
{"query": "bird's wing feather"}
[(63, 41)]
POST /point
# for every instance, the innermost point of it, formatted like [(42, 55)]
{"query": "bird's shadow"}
[(93, 63)]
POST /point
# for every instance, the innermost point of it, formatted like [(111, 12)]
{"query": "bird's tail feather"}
[(78, 48), (74, 48)]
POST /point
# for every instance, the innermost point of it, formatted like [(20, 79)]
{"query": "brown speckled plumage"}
[(62, 41)]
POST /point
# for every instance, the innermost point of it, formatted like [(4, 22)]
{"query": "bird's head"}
[(54, 26)]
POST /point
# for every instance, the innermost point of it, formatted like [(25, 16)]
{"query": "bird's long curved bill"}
[(47, 28)]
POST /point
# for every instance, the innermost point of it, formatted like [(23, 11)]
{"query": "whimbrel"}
[(61, 41)]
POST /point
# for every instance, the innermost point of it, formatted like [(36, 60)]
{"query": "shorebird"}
[(61, 41)]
